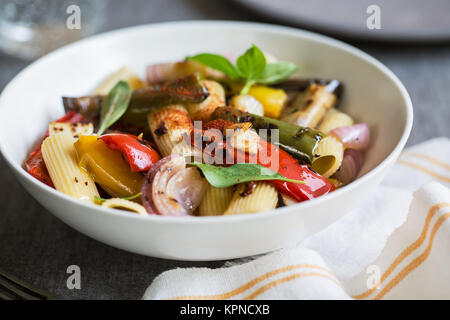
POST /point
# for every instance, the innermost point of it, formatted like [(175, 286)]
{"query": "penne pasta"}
[(310, 106), (118, 203), (215, 201), (328, 156), (75, 129), (124, 74), (334, 119), (261, 197), (169, 124), (203, 110), (61, 161)]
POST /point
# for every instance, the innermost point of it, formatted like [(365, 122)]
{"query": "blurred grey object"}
[(401, 20), (32, 28)]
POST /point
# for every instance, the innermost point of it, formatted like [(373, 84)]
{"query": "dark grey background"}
[(37, 247)]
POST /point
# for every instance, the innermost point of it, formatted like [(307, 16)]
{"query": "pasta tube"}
[(168, 125), (215, 201), (203, 110), (118, 203), (253, 197), (75, 129), (124, 74), (60, 159), (328, 156), (335, 119), (310, 106)]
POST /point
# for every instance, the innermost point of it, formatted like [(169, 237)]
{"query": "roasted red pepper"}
[(35, 164), (138, 153)]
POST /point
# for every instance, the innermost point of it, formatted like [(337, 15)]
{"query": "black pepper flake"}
[(249, 188), (161, 129), (86, 183), (280, 202), (76, 180)]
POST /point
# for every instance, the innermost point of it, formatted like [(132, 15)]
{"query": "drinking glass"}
[(31, 28)]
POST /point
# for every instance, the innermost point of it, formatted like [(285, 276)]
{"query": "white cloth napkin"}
[(396, 245)]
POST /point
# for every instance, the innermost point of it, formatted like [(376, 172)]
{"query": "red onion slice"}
[(188, 188), (350, 167), (354, 137), (171, 189)]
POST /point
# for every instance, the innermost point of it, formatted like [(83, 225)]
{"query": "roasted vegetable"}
[(273, 100), (311, 105), (188, 89), (298, 85), (107, 167), (139, 154), (298, 141)]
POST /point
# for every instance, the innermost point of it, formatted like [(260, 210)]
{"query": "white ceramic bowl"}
[(372, 94)]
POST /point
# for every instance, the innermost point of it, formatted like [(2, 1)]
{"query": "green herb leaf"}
[(101, 200), (277, 72), (251, 64), (222, 177), (216, 62), (115, 105), (251, 67)]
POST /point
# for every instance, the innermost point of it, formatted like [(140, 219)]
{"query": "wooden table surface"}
[(37, 247)]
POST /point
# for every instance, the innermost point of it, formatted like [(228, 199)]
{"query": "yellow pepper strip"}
[(107, 167), (273, 100)]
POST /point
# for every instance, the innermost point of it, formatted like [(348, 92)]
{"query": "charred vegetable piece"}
[(107, 167), (298, 141), (298, 85), (188, 89), (311, 105), (139, 154)]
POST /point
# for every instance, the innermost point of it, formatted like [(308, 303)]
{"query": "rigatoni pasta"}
[(203, 110), (253, 197), (328, 156), (61, 161), (169, 124), (215, 201), (127, 205), (334, 119), (75, 129)]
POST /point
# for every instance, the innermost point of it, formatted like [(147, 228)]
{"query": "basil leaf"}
[(222, 177), (251, 64), (216, 62), (115, 105), (100, 200), (277, 72)]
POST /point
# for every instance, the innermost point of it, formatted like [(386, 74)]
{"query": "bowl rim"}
[(282, 30)]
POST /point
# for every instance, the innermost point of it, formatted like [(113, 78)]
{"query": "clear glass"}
[(32, 28)]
